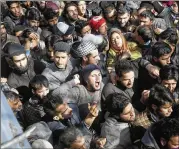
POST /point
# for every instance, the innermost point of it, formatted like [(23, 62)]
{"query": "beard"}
[(22, 70), (35, 28)]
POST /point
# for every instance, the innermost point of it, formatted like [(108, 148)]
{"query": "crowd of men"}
[(93, 74)]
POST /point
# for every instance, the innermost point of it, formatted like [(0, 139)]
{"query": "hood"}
[(149, 140)]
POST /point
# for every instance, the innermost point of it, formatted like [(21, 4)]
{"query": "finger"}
[(89, 107)]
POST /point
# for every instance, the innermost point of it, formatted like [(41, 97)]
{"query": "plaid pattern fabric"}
[(84, 48), (143, 119)]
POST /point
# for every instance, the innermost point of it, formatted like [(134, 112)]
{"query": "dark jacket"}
[(16, 79), (11, 21)]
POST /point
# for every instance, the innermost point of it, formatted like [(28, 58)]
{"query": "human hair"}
[(145, 32), (9, 3), (80, 24), (170, 34), (50, 14), (159, 95), (38, 82), (160, 48), (96, 11), (33, 14), (10, 95), (123, 66), (124, 42), (175, 113), (165, 128), (65, 12), (51, 105), (69, 135), (122, 10), (51, 40), (147, 14), (169, 72), (116, 103)]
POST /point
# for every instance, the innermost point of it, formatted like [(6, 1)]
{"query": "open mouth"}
[(97, 84)]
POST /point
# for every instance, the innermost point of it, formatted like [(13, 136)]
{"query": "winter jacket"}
[(57, 77), (117, 134), (16, 79)]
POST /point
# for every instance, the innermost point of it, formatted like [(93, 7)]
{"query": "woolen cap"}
[(62, 47)]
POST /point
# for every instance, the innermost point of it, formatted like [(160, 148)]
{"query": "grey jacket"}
[(57, 78), (117, 134), (148, 139)]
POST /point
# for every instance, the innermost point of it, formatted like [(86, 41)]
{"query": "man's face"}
[(123, 19), (20, 62), (164, 59), (53, 21), (93, 58), (3, 33), (128, 114), (82, 7), (50, 53), (34, 24), (79, 143), (94, 80), (103, 29), (42, 92), (86, 30), (42, 5), (72, 13), (173, 143), (111, 15), (170, 84), (164, 110), (145, 21), (16, 105), (127, 79), (61, 59), (64, 110), (15, 9)]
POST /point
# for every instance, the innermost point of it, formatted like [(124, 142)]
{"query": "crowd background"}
[(93, 74)]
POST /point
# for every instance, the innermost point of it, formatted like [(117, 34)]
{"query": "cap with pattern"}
[(84, 48)]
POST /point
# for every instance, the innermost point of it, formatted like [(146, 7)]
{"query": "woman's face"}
[(116, 40)]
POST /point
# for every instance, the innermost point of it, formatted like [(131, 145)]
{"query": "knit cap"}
[(96, 22), (88, 69), (40, 143), (96, 39), (15, 49), (62, 47), (84, 48)]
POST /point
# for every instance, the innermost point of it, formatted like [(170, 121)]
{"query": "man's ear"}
[(155, 59), (154, 107), (163, 141), (85, 58)]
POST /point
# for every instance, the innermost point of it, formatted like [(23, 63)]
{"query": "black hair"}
[(165, 128), (69, 135), (53, 102), (175, 113), (51, 40), (147, 13), (170, 34), (80, 24), (159, 95), (123, 9), (123, 66), (11, 96), (96, 11), (33, 14), (9, 3), (116, 103), (50, 14), (169, 72), (38, 82), (160, 48), (145, 32)]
